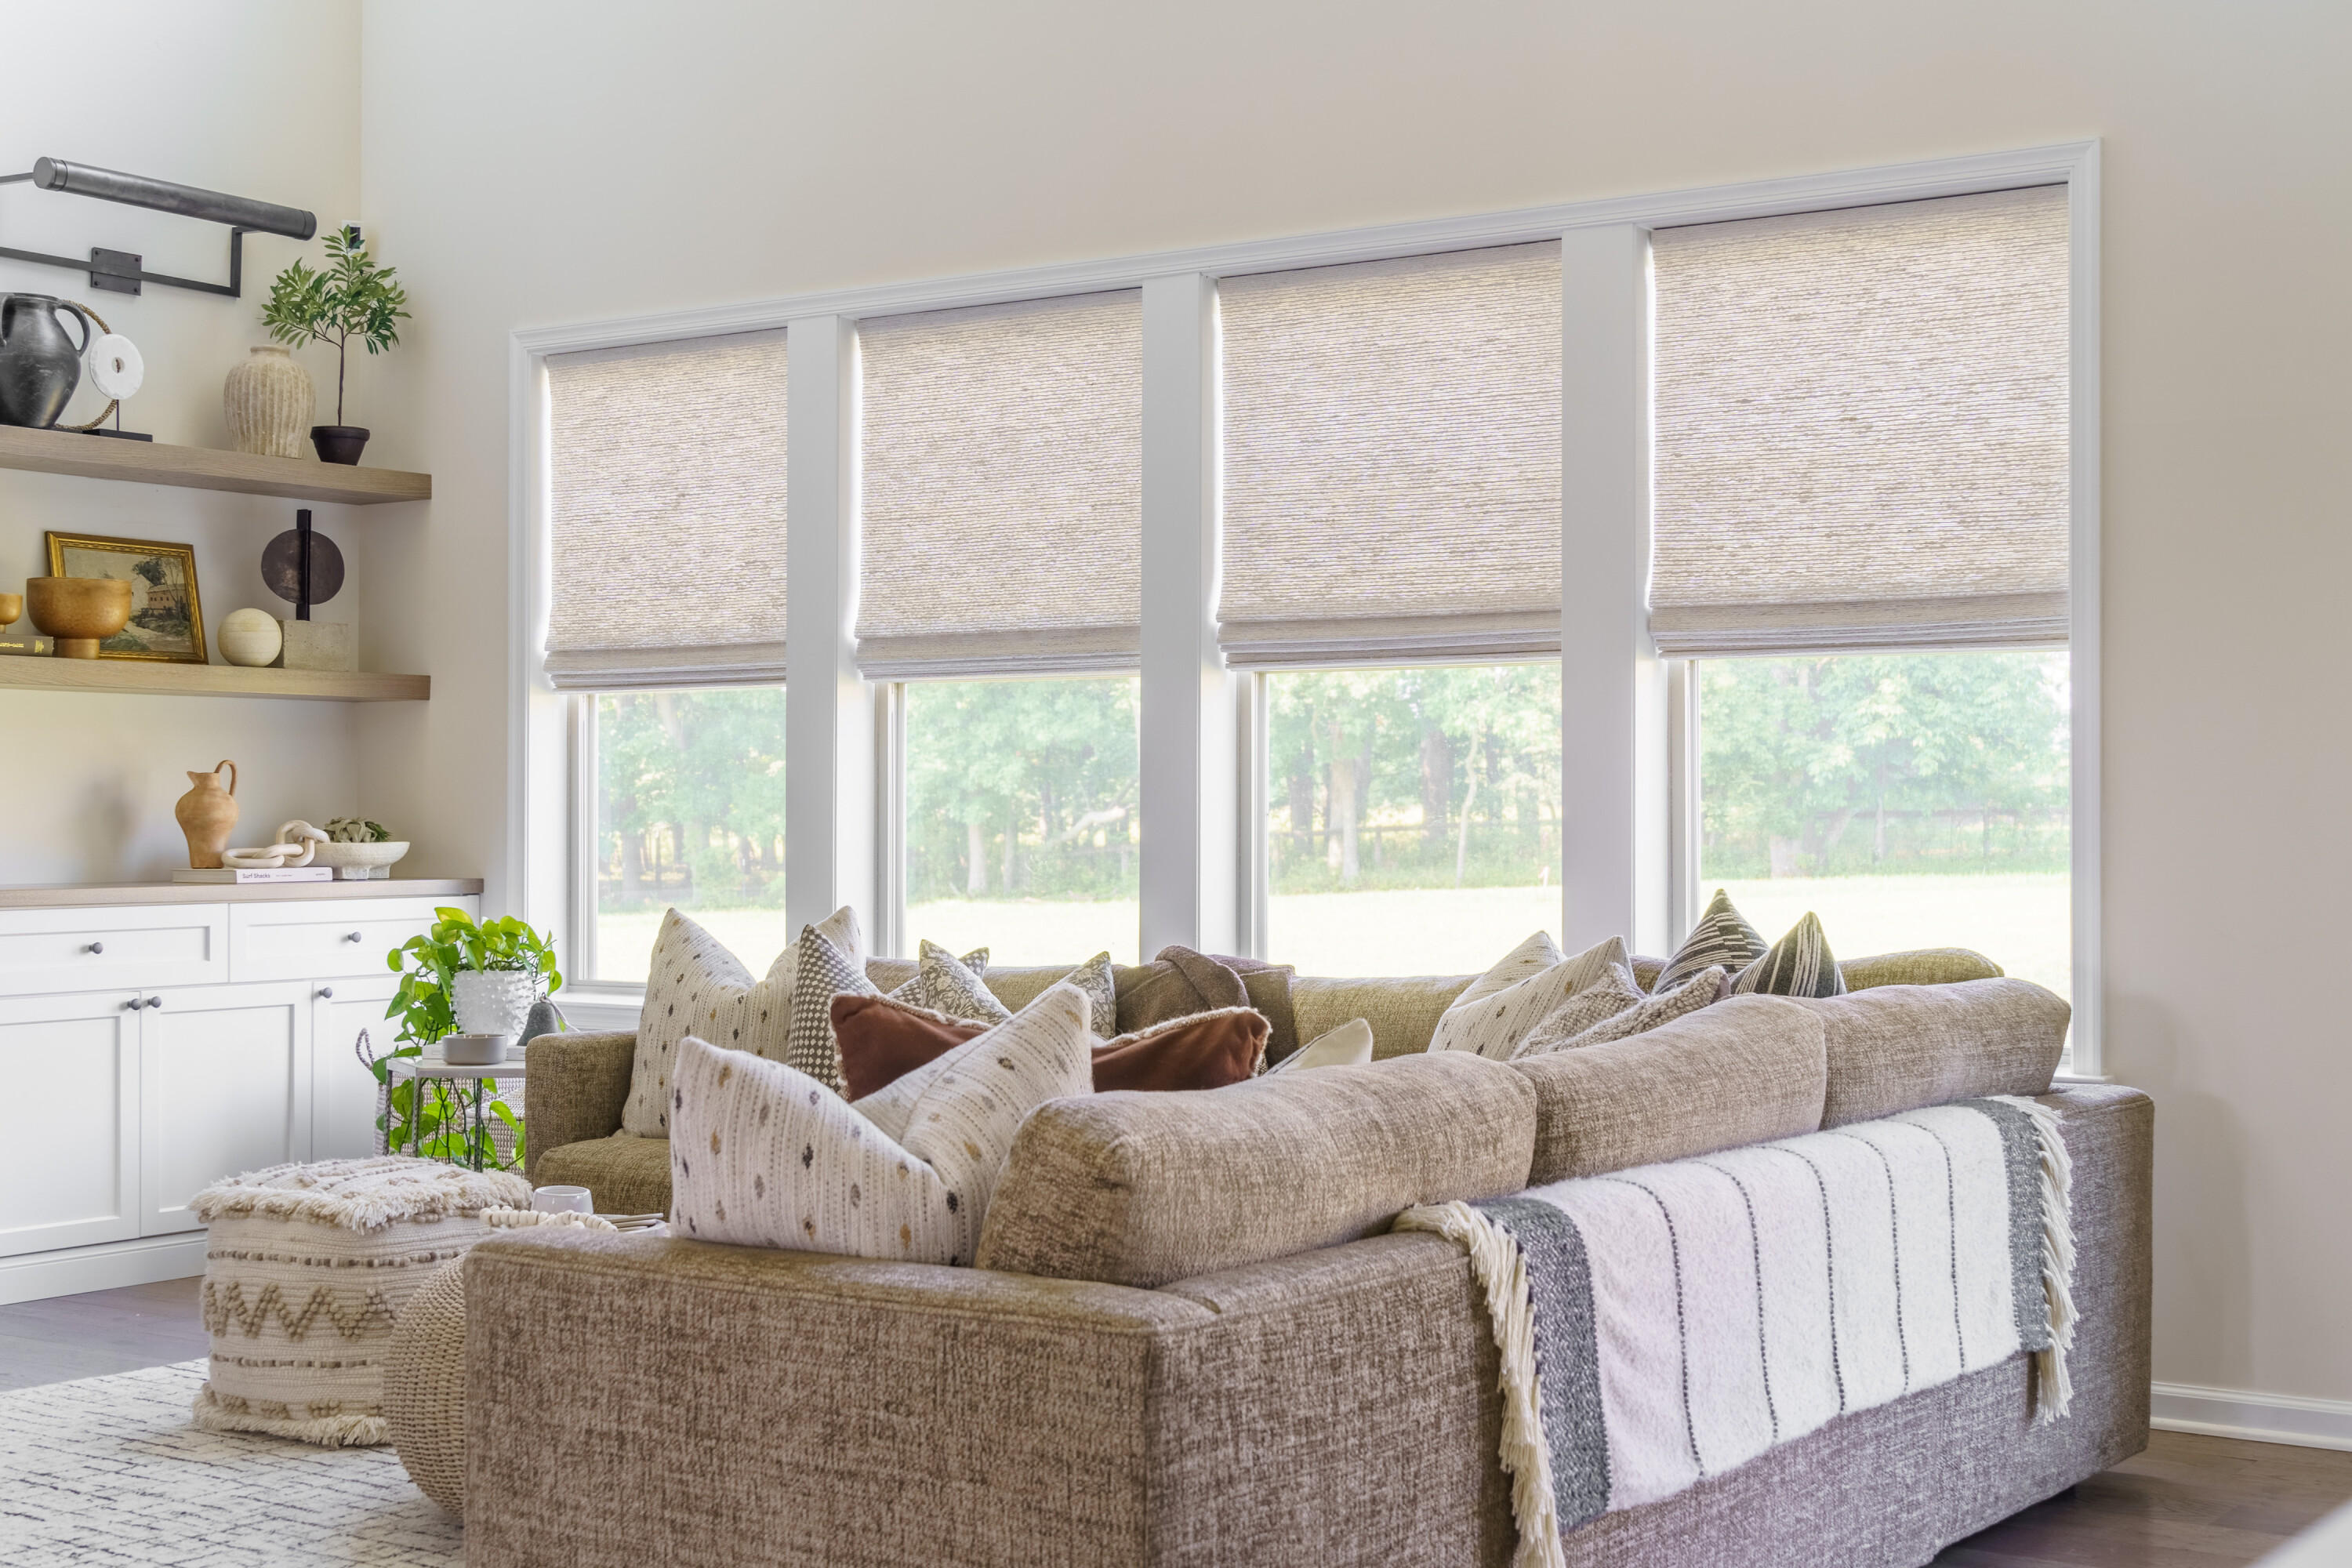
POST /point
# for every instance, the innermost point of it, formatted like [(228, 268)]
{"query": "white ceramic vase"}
[(492, 1001), (269, 403)]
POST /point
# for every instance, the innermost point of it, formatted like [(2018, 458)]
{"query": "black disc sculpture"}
[(302, 566)]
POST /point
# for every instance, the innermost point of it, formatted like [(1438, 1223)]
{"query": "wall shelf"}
[(158, 680), (200, 468)]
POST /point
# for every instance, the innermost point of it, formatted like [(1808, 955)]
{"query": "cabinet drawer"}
[(320, 941), (48, 952)]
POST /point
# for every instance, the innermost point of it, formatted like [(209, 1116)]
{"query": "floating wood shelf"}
[(158, 680), (202, 468)]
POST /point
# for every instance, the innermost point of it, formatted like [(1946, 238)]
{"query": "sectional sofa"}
[(1193, 1337)]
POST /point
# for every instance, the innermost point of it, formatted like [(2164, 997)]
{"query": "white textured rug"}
[(109, 1470)]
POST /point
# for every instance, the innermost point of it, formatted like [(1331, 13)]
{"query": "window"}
[(1413, 821), (689, 813), (1021, 832), (1910, 800)]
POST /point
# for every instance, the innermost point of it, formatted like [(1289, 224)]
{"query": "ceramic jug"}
[(40, 366), (207, 815)]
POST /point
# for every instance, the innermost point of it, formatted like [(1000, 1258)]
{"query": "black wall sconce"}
[(120, 271)]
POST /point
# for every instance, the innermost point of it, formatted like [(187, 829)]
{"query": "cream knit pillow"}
[(695, 987), (764, 1155), (1500, 1007)]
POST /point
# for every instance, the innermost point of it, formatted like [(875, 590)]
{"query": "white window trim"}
[(1603, 808)]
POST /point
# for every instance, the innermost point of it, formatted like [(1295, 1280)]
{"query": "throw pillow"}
[(1267, 986), (1094, 978), (1207, 1050), (1492, 1022), (695, 986), (763, 1155), (1647, 1013), (1349, 1045), (1177, 985), (824, 969), (882, 1040), (1530, 958), (1722, 936), (915, 993), (1799, 965), (950, 986), (1605, 998)]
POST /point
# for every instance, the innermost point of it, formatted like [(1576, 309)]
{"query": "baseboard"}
[(2256, 1417), (70, 1270)]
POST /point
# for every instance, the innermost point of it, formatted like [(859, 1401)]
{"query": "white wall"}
[(532, 164), (258, 99)]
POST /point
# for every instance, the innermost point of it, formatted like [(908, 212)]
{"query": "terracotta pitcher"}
[(207, 815)]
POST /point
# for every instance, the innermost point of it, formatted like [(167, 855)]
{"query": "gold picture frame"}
[(167, 620)]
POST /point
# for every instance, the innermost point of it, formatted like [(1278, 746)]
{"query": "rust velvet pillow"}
[(882, 1041), (1207, 1050)]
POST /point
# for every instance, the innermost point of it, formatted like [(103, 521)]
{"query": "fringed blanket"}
[(1664, 1324)]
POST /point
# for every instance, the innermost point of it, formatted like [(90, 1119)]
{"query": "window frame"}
[(842, 750)]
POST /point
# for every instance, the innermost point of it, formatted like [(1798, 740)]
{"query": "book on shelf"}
[(36, 646), (256, 874)]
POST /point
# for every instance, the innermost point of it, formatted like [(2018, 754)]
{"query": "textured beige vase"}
[(269, 403)]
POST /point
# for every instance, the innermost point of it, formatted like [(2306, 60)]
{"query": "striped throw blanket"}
[(1664, 1324)]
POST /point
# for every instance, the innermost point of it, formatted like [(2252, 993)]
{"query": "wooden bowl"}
[(12, 606), (79, 612)]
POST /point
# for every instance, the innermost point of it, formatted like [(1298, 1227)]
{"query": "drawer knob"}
[(135, 1004), (155, 1001), (325, 993), (355, 936), (95, 947)]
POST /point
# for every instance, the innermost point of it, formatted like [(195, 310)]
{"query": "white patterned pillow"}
[(950, 986), (695, 986), (1616, 1009), (764, 1155), (1493, 1020), (824, 968), (1604, 999), (1349, 1045), (1701, 990), (1530, 958), (916, 994), (1094, 978)]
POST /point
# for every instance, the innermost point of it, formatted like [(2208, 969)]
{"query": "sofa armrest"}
[(575, 1088)]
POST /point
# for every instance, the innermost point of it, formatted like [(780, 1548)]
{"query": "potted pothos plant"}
[(440, 973), (351, 297)]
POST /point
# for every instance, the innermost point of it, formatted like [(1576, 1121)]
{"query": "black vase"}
[(40, 366), (339, 443)]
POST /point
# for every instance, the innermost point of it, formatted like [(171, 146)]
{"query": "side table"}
[(424, 1070)]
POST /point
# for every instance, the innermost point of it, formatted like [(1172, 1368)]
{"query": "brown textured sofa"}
[(1333, 1400)]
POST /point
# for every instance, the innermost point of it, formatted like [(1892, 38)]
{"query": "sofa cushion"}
[(1176, 984), (1601, 1023), (695, 986), (882, 1040), (624, 1174), (1921, 966), (764, 1155), (1894, 1048), (1349, 1045), (1799, 965), (1207, 1050), (1402, 1012), (1744, 1070), (1603, 999), (825, 966), (1267, 987), (1492, 1019), (1141, 1189), (1722, 936), (945, 984)]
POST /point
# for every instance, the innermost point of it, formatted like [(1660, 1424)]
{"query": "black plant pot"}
[(339, 443)]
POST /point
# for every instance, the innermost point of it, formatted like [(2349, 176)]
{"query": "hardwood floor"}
[(106, 1331), (2186, 1502)]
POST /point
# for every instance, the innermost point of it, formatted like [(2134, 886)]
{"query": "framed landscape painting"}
[(166, 621)]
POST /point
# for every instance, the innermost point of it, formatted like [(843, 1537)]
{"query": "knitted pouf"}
[(305, 1267), (425, 1369)]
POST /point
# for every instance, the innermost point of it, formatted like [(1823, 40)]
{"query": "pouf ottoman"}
[(424, 1370), (307, 1266)]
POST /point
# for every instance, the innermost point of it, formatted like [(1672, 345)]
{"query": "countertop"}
[(95, 895)]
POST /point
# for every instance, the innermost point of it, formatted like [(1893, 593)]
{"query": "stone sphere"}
[(250, 638)]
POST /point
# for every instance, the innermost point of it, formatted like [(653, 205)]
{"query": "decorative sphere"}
[(250, 638)]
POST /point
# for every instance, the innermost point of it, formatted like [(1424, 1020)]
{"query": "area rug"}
[(110, 1469)]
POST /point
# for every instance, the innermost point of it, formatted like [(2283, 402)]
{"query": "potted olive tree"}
[(352, 298)]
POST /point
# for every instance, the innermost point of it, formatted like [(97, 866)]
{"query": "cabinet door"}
[(227, 1077), (343, 1092), (70, 1163)]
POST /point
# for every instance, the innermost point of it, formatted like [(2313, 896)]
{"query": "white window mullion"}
[(1190, 851), (830, 800), (1617, 854)]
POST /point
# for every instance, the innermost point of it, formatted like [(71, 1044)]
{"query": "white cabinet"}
[(69, 1163), (148, 1051), (225, 1086)]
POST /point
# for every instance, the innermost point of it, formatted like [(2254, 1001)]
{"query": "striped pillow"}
[(1799, 965), (1722, 936)]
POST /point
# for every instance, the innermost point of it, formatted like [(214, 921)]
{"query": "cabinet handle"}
[(135, 1004), (95, 947), (325, 993), (155, 1001), (355, 936)]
